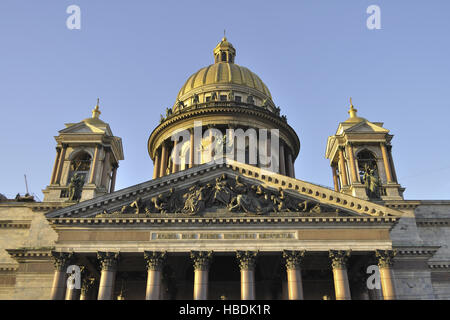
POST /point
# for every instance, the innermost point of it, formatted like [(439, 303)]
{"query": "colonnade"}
[(201, 260), (165, 163)]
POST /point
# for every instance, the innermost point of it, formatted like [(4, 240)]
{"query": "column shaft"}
[(106, 286), (153, 290), (295, 286), (55, 166), (156, 165), (290, 164), (113, 180), (59, 285), (191, 148), (342, 168), (61, 164), (201, 285), (163, 165), (354, 173), (282, 160), (175, 158), (387, 284), (341, 285), (335, 179), (387, 167), (94, 165)]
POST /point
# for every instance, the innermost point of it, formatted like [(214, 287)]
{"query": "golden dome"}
[(222, 73)]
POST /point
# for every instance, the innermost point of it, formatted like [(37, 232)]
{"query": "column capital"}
[(108, 260), (201, 259), (385, 258), (339, 258), (293, 259), (61, 260), (154, 260), (247, 259)]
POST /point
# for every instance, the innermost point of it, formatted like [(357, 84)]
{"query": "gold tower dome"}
[(224, 80)]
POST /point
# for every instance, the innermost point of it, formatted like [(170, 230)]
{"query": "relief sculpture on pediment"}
[(232, 195)]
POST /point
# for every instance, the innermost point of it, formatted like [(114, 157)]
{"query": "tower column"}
[(282, 160), (113, 179), (154, 261), (55, 166), (106, 164), (387, 167), (342, 168), (335, 178), (61, 164), (340, 276), (385, 263), (247, 262), (202, 260), (294, 274), (61, 262), (164, 156), (354, 173), (94, 164), (108, 262), (391, 162)]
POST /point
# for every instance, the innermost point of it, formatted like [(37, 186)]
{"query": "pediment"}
[(86, 127), (229, 189), (366, 127)]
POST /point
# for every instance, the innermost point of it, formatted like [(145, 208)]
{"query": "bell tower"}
[(87, 158), (361, 159)]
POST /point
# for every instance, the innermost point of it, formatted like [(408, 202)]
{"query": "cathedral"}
[(224, 216)]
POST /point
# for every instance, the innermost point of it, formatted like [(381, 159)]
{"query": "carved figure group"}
[(235, 196)]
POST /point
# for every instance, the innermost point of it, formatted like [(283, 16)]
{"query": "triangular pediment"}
[(87, 126), (224, 189), (366, 127)]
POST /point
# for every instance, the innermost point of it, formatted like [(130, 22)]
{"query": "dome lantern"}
[(224, 52)]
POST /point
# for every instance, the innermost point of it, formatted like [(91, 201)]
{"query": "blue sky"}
[(313, 55)]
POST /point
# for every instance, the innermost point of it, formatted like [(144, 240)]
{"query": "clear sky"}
[(313, 55)]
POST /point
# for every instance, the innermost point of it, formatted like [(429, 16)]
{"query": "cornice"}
[(433, 222), (15, 224), (24, 254), (416, 251), (142, 220)]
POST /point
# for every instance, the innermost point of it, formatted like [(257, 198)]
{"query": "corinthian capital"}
[(108, 260), (339, 258), (385, 258), (201, 259), (293, 259), (247, 259), (154, 260), (61, 260)]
